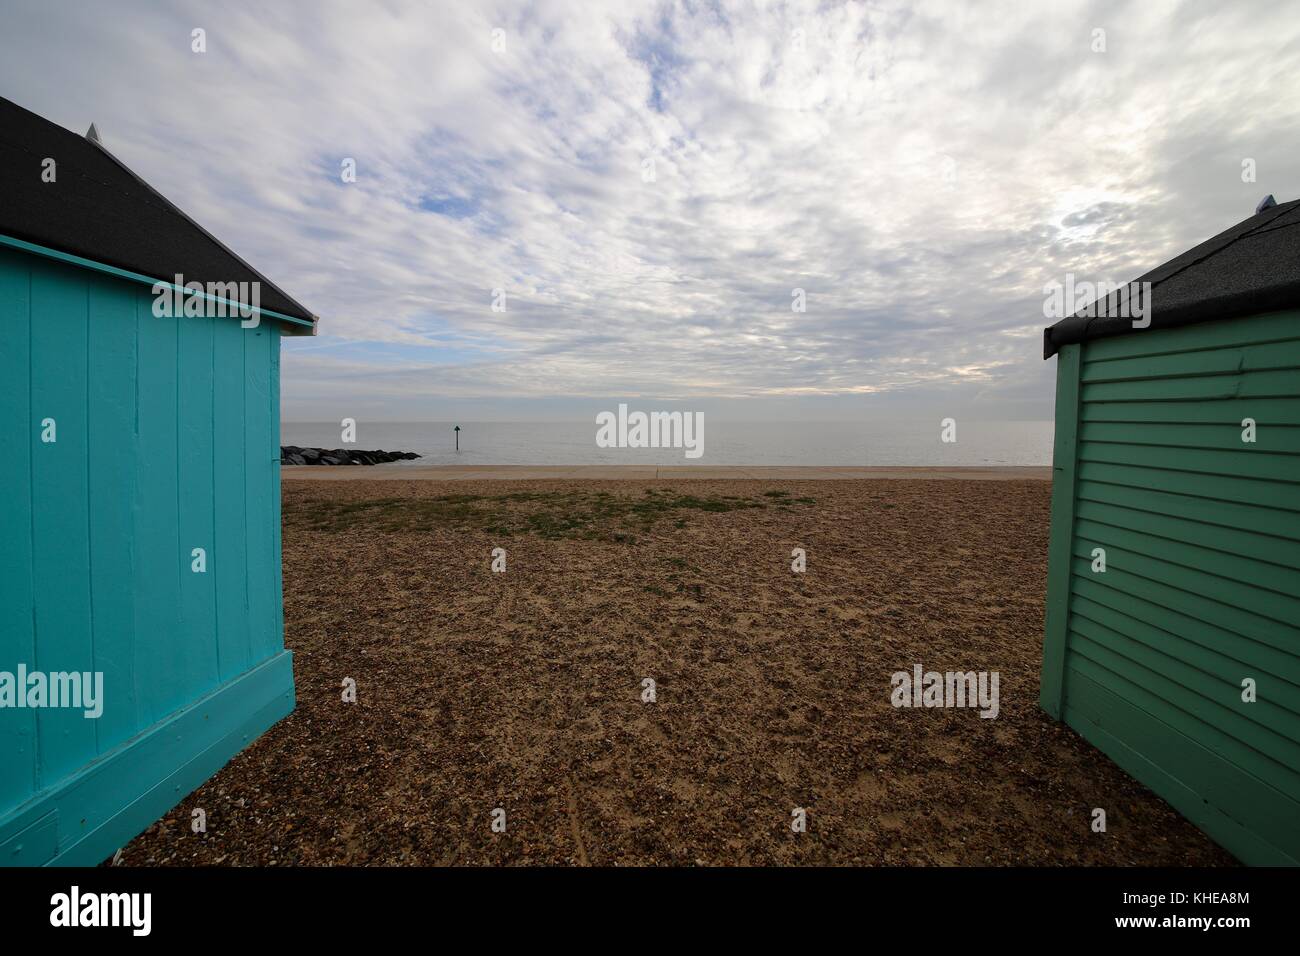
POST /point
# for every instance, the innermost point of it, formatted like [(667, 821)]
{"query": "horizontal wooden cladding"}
[(1202, 670), (1257, 822), (1218, 514), (1225, 616), (1278, 552), (1201, 588), (1270, 356), (1194, 577), (1259, 736), (1254, 464), (1274, 327), (1146, 616), (1221, 413), (1266, 494), (1282, 383), (1232, 567), (1218, 727), (1270, 438)]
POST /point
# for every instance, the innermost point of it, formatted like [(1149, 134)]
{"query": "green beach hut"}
[(1173, 605), (141, 632)]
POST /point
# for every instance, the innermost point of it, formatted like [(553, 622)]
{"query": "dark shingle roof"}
[(98, 209), (1252, 267)]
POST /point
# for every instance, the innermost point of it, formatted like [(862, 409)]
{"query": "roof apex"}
[(1249, 268), (98, 210)]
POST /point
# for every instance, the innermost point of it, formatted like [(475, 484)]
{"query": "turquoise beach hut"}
[(141, 632)]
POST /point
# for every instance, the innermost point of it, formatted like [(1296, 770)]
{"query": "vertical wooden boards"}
[(112, 799), (230, 528), (1064, 459), (112, 453), (261, 466), (19, 428), (160, 658), (278, 619), (165, 440), (60, 518), (195, 463)]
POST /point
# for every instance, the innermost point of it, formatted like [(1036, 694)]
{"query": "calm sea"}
[(725, 443)]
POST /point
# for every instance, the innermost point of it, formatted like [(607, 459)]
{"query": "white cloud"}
[(920, 169)]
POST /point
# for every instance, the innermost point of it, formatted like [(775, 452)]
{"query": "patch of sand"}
[(523, 690)]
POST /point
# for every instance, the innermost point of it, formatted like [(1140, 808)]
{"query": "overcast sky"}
[(649, 183)]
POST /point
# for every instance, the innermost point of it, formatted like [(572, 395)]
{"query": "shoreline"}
[(660, 472)]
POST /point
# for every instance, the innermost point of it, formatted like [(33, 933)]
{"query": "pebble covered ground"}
[(523, 690)]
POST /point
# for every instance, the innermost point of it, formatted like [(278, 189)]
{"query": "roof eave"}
[(290, 325), (1281, 296), (1082, 328), (225, 248)]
